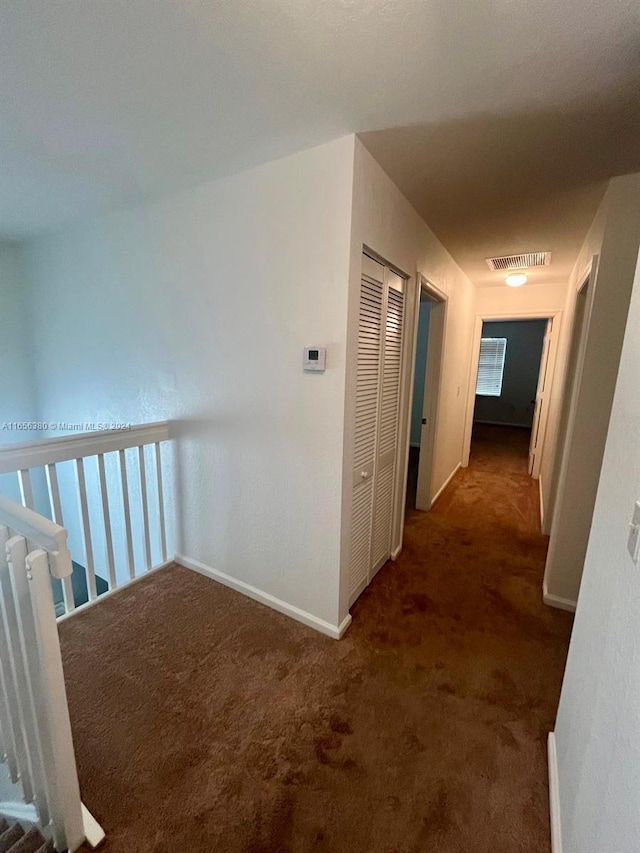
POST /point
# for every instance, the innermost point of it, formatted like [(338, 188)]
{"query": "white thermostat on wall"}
[(314, 358)]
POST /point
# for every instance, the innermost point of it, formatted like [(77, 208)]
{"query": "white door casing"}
[(541, 410), (433, 380)]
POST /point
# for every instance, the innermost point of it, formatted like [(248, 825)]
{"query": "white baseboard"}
[(445, 484), (396, 552), (554, 795), (93, 832), (541, 503), (308, 619), (557, 602)]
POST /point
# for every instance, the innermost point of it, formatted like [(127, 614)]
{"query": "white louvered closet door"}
[(387, 444), (366, 427), (376, 427)]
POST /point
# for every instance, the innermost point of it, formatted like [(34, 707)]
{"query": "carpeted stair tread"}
[(13, 839), (10, 836), (31, 842)]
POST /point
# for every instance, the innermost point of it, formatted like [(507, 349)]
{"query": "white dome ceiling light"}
[(517, 279)]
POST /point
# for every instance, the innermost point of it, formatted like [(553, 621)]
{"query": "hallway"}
[(204, 721)]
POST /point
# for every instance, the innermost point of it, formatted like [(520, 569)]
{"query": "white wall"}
[(599, 714), (196, 309), (615, 236), (516, 402), (17, 377), (384, 221), (17, 380)]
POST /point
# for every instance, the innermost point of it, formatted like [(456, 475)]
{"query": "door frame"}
[(541, 411), (432, 386), (587, 285), (418, 285), (498, 316)]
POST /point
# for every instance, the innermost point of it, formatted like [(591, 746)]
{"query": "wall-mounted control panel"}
[(314, 359)]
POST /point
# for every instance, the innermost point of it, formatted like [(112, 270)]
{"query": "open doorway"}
[(512, 385), (430, 328), (511, 378)]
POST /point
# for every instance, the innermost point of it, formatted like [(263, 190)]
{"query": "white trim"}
[(558, 602), (93, 832), (541, 503), (308, 619), (396, 552), (446, 483), (41, 532), (48, 451), (110, 592), (20, 811), (554, 795)]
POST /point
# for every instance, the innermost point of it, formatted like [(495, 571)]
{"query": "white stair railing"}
[(127, 498), (35, 731)]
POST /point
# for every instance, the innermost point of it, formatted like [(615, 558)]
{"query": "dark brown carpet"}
[(206, 722)]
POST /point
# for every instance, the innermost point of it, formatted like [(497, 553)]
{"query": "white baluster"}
[(8, 699), (19, 696), (163, 532), (106, 516), (60, 762), (32, 700), (86, 530), (145, 507), (26, 490), (56, 509), (127, 513)]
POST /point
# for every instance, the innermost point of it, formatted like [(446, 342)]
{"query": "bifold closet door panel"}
[(366, 426), (387, 443)]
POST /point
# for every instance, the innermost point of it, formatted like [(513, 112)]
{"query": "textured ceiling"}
[(526, 181), (106, 102)]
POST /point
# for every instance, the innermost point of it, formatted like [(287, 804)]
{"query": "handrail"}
[(92, 494), (48, 451), (41, 532)]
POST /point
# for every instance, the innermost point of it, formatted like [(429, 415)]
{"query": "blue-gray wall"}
[(521, 368)]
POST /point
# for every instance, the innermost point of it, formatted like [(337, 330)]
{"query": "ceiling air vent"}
[(520, 262)]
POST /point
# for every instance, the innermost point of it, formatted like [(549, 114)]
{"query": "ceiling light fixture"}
[(517, 279)]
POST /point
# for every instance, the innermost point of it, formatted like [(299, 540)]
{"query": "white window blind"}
[(491, 366)]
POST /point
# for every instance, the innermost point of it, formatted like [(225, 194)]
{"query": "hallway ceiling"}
[(507, 117), (500, 185)]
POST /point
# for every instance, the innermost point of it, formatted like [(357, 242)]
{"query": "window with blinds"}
[(491, 366)]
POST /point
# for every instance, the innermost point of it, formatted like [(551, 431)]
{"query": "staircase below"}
[(13, 839)]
